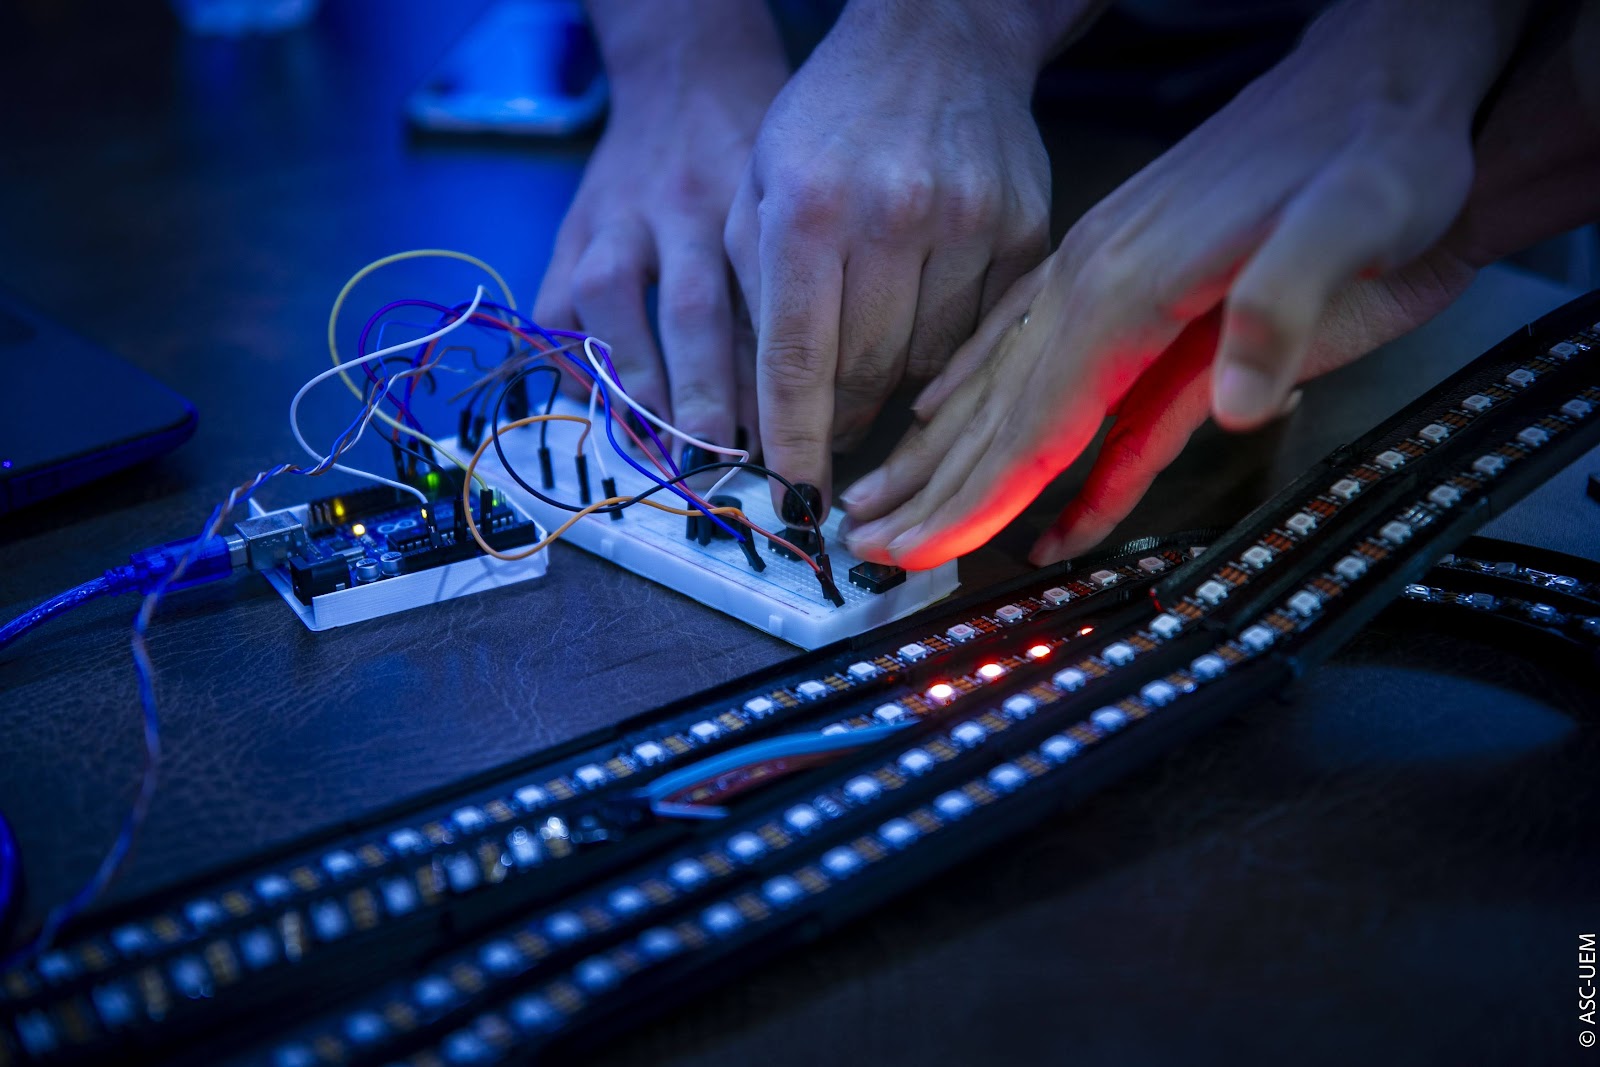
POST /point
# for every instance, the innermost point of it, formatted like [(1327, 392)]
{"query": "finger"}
[(910, 467), (802, 281), (947, 308), (1352, 218), (1013, 261), (697, 336), (741, 241), (879, 310), (982, 484), (608, 288), (1156, 418), (744, 360), (554, 306), (1000, 324)]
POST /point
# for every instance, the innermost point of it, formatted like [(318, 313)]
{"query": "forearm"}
[(1434, 59), (646, 44), (1538, 145)]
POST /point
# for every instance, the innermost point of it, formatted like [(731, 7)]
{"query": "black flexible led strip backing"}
[(547, 903)]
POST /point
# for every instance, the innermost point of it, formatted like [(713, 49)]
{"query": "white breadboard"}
[(399, 592), (785, 600)]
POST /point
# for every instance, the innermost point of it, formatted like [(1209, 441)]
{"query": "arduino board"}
[(377, 551)]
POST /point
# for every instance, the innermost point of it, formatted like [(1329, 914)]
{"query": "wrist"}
[(666, 49), (1002, 42)]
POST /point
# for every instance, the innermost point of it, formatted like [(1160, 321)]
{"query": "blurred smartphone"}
[(527, 67)]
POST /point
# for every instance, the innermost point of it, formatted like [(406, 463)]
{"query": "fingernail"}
[(1245, 393), (796, 500), (905, 540), (863, 536), (864, 490)]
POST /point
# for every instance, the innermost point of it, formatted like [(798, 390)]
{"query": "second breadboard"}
[(785, 599)]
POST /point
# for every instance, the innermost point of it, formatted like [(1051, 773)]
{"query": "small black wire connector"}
[(547, 470), (830, 588), (582, 462), (757, 564), (516, 397), (608, 486), (464, 430), (486, 509), (433, 525)]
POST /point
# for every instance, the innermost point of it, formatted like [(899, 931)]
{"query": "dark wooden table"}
[(1393, 863)]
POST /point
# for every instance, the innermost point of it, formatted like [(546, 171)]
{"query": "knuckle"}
[(925, 363), (687, 189), (790, 436), (700, 410), (1123, 454), (789, 369), (862, 384), (814, 200), (1113, 272), (695, 298), (1094, 229), (904, 202), (971, 205), (1375, 189), (601, 273)]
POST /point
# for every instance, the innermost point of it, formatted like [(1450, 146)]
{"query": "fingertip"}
[(864, 547), (859, 497), (926, 405), (1244, 397), (800, 505), (1046, 550)]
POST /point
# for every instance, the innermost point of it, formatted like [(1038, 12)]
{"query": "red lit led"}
[(990, 671), (1039, 651), (941, 693)]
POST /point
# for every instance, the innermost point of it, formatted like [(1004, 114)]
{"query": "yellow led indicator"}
[(358, 530), (338, 509)]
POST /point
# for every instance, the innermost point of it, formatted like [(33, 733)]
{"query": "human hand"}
[(691, 80), (897, 188), (1217, 278)]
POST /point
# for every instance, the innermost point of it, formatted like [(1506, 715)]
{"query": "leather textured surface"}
[(1391, 864)]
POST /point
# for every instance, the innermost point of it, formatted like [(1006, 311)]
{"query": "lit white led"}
[(1166, 626), (1434, 432), (1118, 653), (1444, 496), (1256, 638)]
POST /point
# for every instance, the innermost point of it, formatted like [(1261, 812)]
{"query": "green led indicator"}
[(433, 480)]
